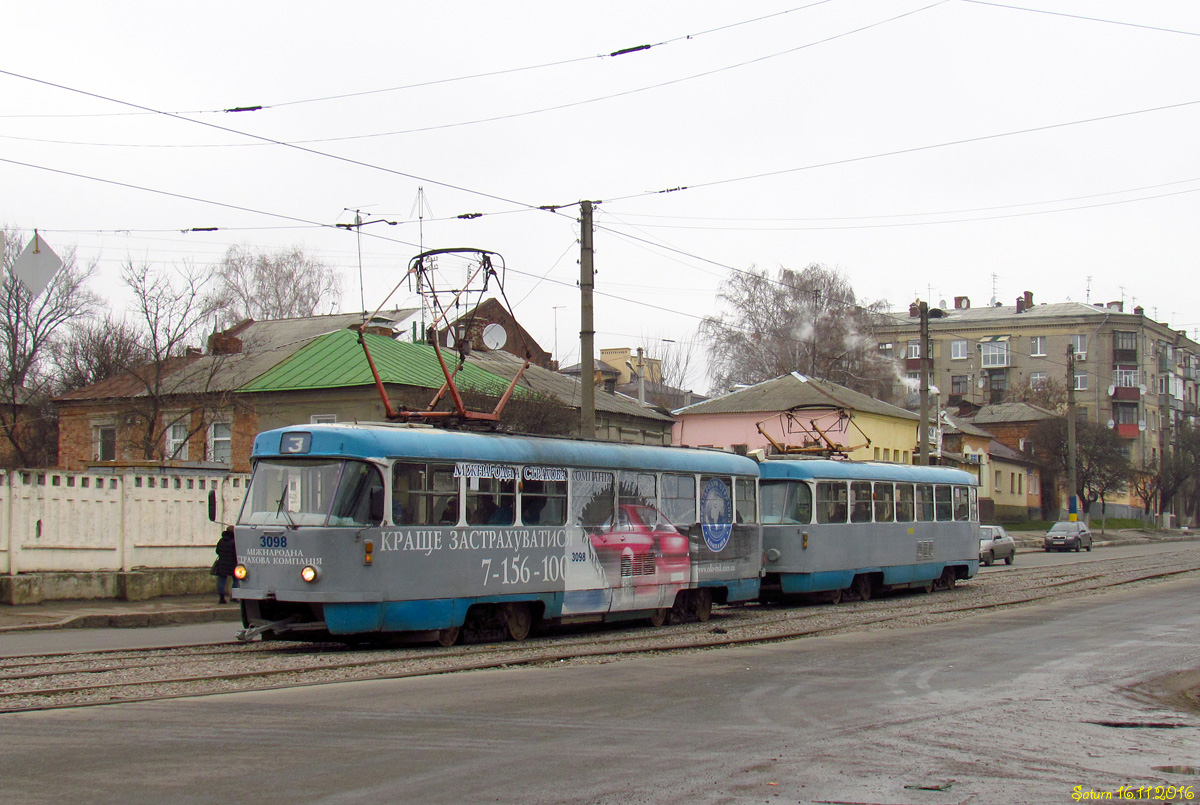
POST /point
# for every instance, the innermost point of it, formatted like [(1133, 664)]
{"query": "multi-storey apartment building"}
[(1131, 373)]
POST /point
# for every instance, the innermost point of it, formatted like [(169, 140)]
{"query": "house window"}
[(1125, 414), (322, 419), (958, 350), (1037, 346), (176, 441), (995, 354), (960, 385), (220, 442), (1125, 341), (1081, 381), (1079, 342), (885, 349), (914, 349), (1037, 379), (1125, 378), (104, 442)]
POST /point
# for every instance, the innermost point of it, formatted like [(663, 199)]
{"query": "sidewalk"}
[(111, 613)]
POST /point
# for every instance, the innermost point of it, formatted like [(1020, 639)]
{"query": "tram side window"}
[(785, 502), (925, 503), (424, 494), (359, 500), (885, 502), (593, 497), (832, 500), (860, 502), (943, 505), (491, 501), (716, 499), (746, 506), (679, 499), (544, 502), (974, 504), (905, 503), (638, 489), (962, 503)]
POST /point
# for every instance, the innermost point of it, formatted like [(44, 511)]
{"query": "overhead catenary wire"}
[(496, 118), (616, 53)]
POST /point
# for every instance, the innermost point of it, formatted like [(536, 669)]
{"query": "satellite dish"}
[(1142, 425), (1111, 424), (1112, 390), (1142, 388), (494, 336)]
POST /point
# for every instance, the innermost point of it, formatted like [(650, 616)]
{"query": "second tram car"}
[(835, 529), (354, 530)]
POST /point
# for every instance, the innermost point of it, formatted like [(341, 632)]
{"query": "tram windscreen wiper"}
[(284, 510)]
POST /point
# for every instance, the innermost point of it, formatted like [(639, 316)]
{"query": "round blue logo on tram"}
[(716, 514)]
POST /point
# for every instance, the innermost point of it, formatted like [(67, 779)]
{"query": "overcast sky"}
[(926, 149)]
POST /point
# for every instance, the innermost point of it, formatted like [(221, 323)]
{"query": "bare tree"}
[(95, 350), (1048, 393), (28, 325), (808, 321), (171, 308), (285, 284)]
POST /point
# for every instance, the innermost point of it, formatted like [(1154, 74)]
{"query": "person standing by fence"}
[(226, 562)]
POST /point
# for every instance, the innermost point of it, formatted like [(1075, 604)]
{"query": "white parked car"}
[(995, 543)]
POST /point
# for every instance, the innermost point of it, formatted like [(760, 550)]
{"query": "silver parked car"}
[(995, 543), (1068, 536)]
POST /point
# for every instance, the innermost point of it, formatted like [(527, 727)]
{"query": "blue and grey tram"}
[(847, 530), (353, 530)]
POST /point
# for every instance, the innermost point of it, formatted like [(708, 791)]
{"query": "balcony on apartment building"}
[(1126, 386)]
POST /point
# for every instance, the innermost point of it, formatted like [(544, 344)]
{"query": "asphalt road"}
[(1021, 705)]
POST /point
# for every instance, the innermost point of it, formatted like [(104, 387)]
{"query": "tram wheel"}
[(518, 620), (448, 637), (702, 603), (834, 597), (948, 580), (659, 617), (860, 588)]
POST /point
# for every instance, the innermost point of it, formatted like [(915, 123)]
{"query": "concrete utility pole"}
[(587, 333), (923, 411), (1072, 480)]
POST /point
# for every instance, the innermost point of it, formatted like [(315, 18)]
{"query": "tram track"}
[(75, 680)]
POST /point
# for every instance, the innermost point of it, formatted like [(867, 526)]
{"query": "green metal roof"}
[(336, 360)]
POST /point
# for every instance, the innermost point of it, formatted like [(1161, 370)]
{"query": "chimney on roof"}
[(1116, 307), (962, 303), (914, 310), (1139, 311), (224, 344), (1029, 300), (1020, 304)]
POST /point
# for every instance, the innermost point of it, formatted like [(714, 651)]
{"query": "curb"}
[(133, 620)]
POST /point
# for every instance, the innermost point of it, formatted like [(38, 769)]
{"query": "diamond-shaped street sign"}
[(36, 265)]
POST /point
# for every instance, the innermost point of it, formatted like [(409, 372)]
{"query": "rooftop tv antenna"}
[(484, 269)]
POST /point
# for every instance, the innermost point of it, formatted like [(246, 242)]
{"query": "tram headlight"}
[(309, 573), (240, 572)]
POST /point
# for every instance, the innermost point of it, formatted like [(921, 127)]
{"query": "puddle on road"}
[(1178, 769)]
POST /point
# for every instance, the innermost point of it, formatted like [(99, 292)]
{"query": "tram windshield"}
[(785, 502), (313, 492)]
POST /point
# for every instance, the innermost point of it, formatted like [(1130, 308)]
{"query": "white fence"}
[(80, 521)]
